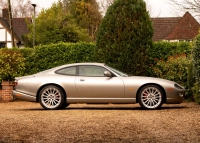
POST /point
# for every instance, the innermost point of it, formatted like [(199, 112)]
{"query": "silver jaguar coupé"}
[(95, 83)]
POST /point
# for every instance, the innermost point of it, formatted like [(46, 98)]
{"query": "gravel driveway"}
[(27, 122)]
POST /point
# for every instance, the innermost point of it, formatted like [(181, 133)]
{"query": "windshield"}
[(117, 71)]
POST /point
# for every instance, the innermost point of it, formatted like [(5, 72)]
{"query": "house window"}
[(2, 45)]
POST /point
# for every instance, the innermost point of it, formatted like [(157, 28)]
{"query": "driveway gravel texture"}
[(28, 122)]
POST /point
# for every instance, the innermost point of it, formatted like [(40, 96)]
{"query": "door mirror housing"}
[(107, 74)]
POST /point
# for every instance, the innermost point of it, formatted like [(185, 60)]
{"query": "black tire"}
[(150, 97), (51, 98), (65, 105)]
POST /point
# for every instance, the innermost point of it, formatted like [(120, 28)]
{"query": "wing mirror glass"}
[(108, 74)]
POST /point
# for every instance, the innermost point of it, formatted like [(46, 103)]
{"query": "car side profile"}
[(58, 87)]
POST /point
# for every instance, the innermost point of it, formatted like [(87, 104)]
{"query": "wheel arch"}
[(163, 90), (38, 92)]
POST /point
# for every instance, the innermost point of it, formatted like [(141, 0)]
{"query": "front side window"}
[(118, 72), (67, 71), (93, 71)]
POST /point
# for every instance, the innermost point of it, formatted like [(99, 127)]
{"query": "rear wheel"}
[(52, 98), (151, 97)]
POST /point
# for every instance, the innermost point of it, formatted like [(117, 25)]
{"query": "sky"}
[(159, 8)]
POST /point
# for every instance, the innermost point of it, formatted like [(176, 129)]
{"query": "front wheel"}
[(151, 97), (51, 98)]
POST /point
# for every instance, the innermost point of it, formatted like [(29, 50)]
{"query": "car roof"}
[(80, 64), (68, 65), (75, 64)]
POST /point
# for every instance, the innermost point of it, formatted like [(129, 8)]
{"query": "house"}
[(175, 28), (19, 28)]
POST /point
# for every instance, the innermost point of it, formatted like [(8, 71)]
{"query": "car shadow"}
[(106, 108), (119, 108)]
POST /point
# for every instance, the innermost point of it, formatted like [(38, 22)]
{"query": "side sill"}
[(102, 100)]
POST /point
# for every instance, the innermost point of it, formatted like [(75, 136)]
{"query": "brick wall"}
[(0, 94), (6, 91)]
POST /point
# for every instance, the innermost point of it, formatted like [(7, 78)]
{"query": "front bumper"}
[(23, 96), (176, 96)]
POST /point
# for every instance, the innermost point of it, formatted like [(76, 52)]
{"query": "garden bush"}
[(196, 62), (11, 64), (196, 56), (163, 50), (196, 92), (175, 69)]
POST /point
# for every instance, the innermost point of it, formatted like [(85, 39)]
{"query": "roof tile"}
[(163, 26)]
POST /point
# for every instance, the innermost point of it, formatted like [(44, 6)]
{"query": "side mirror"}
[(108, 74)]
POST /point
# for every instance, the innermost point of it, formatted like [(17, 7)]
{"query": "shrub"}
[(196, 62), (11, 64), (125, 36), (162, 50), (175, 69), (190, 83), (196, 92), (196, 56)]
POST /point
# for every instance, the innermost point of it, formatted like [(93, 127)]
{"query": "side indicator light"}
[(19, 94), (130, 88), (170, 89), (15, 83)]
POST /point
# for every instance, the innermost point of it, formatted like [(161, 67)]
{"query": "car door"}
[(91, 83)]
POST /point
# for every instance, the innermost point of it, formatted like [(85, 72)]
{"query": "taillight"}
[(15, 83)]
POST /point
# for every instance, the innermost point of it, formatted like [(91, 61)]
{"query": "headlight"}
[(178, 86)]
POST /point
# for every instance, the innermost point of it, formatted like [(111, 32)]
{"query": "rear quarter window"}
[(67, 71)]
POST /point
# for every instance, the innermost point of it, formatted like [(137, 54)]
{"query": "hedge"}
[(163, 50), (49, 56)]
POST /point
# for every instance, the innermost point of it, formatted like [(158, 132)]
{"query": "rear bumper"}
[(23, 96)]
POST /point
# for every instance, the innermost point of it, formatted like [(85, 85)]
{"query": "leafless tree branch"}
[(192, 6), (20, 8)]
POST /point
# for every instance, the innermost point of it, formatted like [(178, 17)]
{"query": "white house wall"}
[(2, 35), (9, 45), (5, 37), (8, 36)]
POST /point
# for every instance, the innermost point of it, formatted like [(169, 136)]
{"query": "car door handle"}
[(81, 80)]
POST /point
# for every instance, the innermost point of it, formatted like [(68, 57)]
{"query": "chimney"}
[(5, 13)]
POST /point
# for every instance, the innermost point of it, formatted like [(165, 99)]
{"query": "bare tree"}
[(2, 5), (192, 6), (20, 8), (104, 4)]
